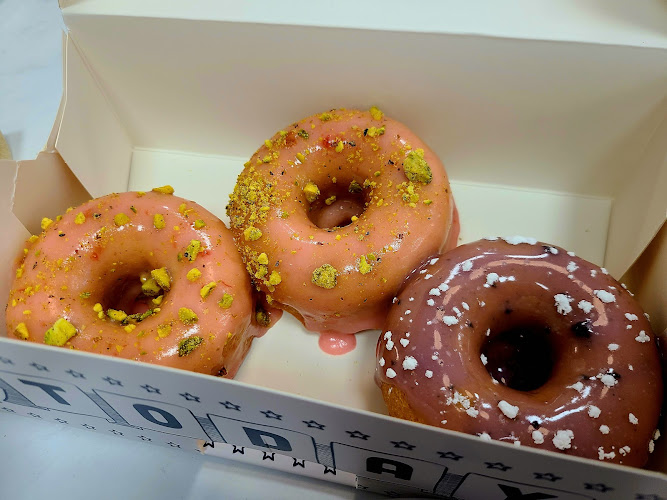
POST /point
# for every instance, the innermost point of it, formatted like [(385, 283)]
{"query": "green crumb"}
[(263, 259), (303, 133), (80, 218), (376, 113), (84, 295), (163, 330), (193, 274), (187, 316), (158, 221), (416, 168), (226, 301), (275, 278), (325, 276), (252, 233), (355, 187), (192, 250), (121, 219), (21, 331), (377, 173), (117, 315), (330, 200), (164, 189), (340, 146), (133, 209), (428, 202), (207, 289), (199, 223), (261, 272), (325, 117), (186, 346), (375, 131), (46, 222), (162, 277), (150, 287), (364, 266), (311, 191), (61, 331)]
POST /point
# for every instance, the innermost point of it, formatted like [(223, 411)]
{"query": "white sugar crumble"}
[(430, 302), (483, 358), (571, 254), (642, 337), (387, 335), (593, 411), (466, 265), (472, 412), (579, 387), (602, 455), (585, 306), (434, 291), (428, 276), (624, 450), (656, 434), (465, 306), (390, 373), (647, 316), (428, 374), (509, 410), (408, 311), (389, 345), (485, 436), (404, 342), (381, 362), (409, 363), (628, 327), (443, 287), (538, 437), (613, 347), (633, 420), (630, 368), (563, 303), (563, 439), (631, 317), (434, 260), (517, 240), (491, 279), (572, 266), (608, 380), (604, 296), (651, 446), (450, 320), (457, 311), (604, 429), (411, 299), (553, 250), (604, 271), (594, 273)]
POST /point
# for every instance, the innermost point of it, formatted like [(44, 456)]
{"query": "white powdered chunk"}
[(430, 302), (656, 434), (381, 362), (491, 279), (571, 254), (472, 412), (571, 266), (563, 303), (466, 266), (443, 287), (404, 342), (604, 271), (390, 373), (633, 420), (428, 374), (485, 436), (450, 320), (538, 437), (409, 363), (628, 327), (434, 260), (642, 337), (553, 250), (563, 439), (483, 358), (585, 306), (434, 291), (594, 273), (613, 347), (651, 446), (389, 345), (604, 429), (593, 411), (631, 317), (465, 306), (579, 387), (517, 240), (607, 380), (602, 455), (604, 296), (387, 335), (457, 311), (624, 450), (428, 276), (510, 411)]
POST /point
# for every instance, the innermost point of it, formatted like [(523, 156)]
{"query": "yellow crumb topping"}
[(33, 238), (117, 315), (262, 258), (325, 117), (364, 266), (186, 346), (199, 223), (46, 222), (129, 328), (164, 189), (150, 287), (98, 308), (207, 289), (375, 131), (193, 274), (275, 278), (162, 277), (19, 271), (187, 316), (252, 233), (121, 219), (158, 300), (21, 331), (300, 157), (355, 187), (61, 331), (158, 221), (330, 199), (416, 168), (268, 143), (226, 301), (311, 191), (192, 250), (325, 276), (163, 330), (80, 218), (339, 146), (376, 113)]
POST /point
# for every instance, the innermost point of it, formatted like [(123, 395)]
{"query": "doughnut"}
[(523, 342), (332, 212), (143, 276)]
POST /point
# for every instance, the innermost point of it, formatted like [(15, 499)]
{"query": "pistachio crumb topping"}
[(376, 113), (163, 330), (330, 199), (375, 131), (364, 265), (311, 191), (84, 295), (339, 146), (199, 223), (19, 271), (158, 221), (164, 189), (21, 331), (325, 117), (130, 328), (187, 316), (162, 277), (275, 278), (98, 308), (117, 315), (46, 222), (252, 233), (416, 168), (150, 287), (80, 218), (300, 157), (262, 258), (61, 331), (325, 276), (193, 274), (268, 143), (158, 300), (33, 238), (192, 250), (355, 187), (141, 193), (428, 202), (207, 289), (262, 317), (120, 219), (226, 301), (303, 133), (186, 346)]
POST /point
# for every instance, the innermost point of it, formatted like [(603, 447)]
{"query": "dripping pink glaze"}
[(337, 344), (401, 235), (446, 344), (96, 253)]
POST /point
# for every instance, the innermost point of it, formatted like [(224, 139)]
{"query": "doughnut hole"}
[(520, 356), (124, 292), (336, 205)]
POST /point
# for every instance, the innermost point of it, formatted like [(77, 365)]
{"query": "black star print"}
[(270, 414), (190, 397), (269, 456), (34, 415), (513, 492), (313, 425), (88, 426), (450, 454), (497, 466), (6, 361), (39, 368), (301, 464), (238, 449), (602, 488), (113, 381), (174, 445), (75, 374), (403, 445), (230, 406), (328, 470), (8, 409), (150, 389), (144, 438), (117, 433), (358, 435), (639, 496), (548, 476), (61, 420)]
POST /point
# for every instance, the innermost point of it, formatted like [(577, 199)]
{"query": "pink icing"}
[(337, 343)]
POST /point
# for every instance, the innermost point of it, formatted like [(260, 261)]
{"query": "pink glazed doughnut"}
[(143, 276), (523, 342), (333, 212)]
